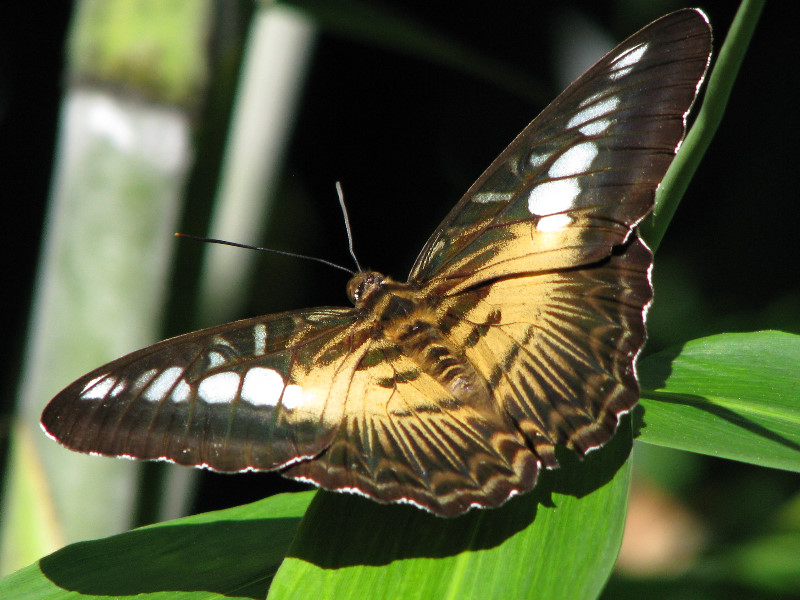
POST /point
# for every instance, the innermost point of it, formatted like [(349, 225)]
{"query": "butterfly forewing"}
[(254, 394), (517, 331), (584, 172)]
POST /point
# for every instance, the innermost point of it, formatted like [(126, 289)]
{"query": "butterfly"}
[(517, 330)]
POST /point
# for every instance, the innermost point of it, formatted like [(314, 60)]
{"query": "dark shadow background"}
[(407, 137)]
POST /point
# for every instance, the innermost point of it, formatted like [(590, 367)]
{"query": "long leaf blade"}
[(230, 553), (571, 523), (734, 395)]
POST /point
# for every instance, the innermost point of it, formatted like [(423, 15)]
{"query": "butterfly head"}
[(362, 285)]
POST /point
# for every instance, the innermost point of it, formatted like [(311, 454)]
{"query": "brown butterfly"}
[(518, 328)]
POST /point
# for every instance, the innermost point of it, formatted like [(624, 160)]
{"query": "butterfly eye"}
[(362, 285)]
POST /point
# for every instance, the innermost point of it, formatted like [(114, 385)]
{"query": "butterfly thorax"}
[(406, 322)]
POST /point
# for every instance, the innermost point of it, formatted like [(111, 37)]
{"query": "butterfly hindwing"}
[(558, 348), (407, 436)]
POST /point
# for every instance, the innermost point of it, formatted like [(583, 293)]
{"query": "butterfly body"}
[(517, 330), (409, 321)]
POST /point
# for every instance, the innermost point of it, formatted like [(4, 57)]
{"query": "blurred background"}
[(124, 121)]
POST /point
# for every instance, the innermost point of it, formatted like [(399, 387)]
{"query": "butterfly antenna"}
[(273, 250), (340, 193)]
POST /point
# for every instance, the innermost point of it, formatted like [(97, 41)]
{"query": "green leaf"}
[(232, 553), (526, 545), (734, 395), (571, 524)]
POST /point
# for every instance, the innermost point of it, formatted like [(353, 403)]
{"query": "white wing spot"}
[(592, 112), (262, 387), (553, 223), (215, 359), (625, 62), (162, 385), (486, 197), (260, 339), (595, 127), (144, 380), (98, 388), (574, 161), (537, 160), (91, 383), (182, 392), (591, 99), (553, 197), (119, 388), (292, 397), (219, 388)]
